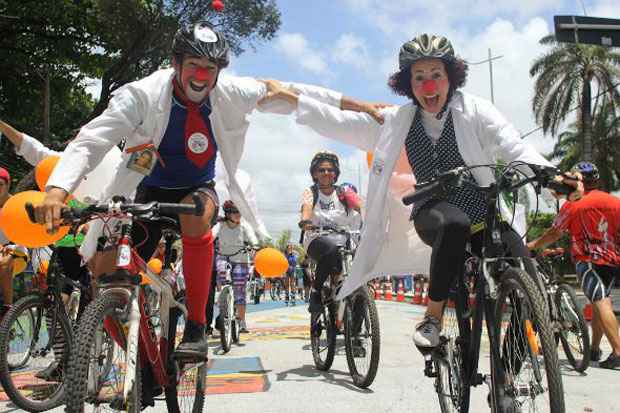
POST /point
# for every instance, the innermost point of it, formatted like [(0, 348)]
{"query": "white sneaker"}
[(426, 333)]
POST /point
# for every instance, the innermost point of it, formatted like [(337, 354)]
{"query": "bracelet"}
[(303, 223)]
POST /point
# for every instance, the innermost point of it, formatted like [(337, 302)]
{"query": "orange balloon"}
[(44, 169), (369, 156), (18, 228), (155, 265), (270, 262)]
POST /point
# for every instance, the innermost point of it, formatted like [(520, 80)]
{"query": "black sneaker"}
[(194, 343), (315, 302), (612, 362), (596, 354), (52, 373)]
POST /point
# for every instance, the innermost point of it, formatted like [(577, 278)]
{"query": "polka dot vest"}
[(428, 160)]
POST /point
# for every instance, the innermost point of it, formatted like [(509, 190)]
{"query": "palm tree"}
[(606, 145), (564, 77)]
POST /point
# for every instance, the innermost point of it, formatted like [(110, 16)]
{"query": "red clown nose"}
[(429, 87), (217, 5), (201, 74)]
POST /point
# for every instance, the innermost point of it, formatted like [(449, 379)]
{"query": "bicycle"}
[(38, 332), (122, 308), (569, 324), (256, 287), (228, 322), (275, 289), (355, 317), (523, 357)]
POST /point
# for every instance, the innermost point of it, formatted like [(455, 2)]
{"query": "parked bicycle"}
[(523, 355), (355, 317), (227, 322), (569, 324), (121, 308)]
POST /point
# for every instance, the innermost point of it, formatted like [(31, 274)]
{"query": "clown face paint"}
[(197, 76), (430, 84)]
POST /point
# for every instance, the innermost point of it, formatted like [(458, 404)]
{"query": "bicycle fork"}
[(132, 342)]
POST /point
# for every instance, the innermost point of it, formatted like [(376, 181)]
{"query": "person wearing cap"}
[(8, 259), (189, 114), (440, 128), (593, 223)]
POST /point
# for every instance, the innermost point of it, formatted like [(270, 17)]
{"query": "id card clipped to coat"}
[(142, 160)]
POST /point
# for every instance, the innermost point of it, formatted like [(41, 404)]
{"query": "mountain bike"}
[(228, 320), (355, 317), (122, 308), (36, 338), (523, 355), (569, 324)]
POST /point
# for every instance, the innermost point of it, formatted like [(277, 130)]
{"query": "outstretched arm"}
[(26, 146), (550, 236)]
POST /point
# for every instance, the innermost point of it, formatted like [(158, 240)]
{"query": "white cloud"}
[(351, 49), (296, 48)]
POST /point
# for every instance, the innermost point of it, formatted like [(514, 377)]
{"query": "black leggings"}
[(324, 251), (446, 228)]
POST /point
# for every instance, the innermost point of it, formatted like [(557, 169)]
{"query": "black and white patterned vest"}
[(428, 160)]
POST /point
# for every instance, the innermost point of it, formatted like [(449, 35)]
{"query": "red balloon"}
[(217, 5)]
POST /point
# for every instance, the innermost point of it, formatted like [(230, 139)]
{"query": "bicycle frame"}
[(141, 336)]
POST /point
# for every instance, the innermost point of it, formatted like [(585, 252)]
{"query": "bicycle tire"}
[(518, 293), (235, 330), (106, 305), (361, 303), (176, 403), (22, 362), (325, 321), (226, 320), (578, 325), (29, 303)]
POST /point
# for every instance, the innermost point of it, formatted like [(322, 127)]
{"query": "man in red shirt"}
[(593, 223)]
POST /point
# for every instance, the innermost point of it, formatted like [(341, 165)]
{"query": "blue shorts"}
[(597, 280)]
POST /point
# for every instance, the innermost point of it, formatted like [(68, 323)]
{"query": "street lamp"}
[(490, 60)]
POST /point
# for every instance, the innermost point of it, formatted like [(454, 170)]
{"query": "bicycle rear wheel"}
[(36, 383), (187, 393), (323, 337), (362, 338), (574, 333), (526, 377), (89, 360), (227, 313)]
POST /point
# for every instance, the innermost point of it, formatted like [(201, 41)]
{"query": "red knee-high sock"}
[(197, 270)]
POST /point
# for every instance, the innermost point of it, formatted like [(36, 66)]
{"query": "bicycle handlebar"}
[(543, 175), (151, 210)]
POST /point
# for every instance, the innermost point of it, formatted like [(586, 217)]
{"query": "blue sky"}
[(352, 46)]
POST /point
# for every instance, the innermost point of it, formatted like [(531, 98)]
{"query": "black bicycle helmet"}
[(229, 207), (424, 47), (588, 171), (201, 40), (322, 157)]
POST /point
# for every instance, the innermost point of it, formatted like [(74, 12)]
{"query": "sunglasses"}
[(326, 170)]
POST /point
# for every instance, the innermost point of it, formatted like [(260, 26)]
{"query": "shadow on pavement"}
[(335, 377)]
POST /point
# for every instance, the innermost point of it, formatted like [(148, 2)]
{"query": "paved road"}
[(272, 371)]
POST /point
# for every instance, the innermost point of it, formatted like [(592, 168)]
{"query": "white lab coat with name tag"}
[(139, 112), (389, 244)]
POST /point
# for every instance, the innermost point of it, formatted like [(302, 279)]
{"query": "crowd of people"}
[(175, 124)]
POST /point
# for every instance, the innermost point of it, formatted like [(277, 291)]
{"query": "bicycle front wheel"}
[(187, 392), (323, 338), (227, 313), (574, 333), (526, 378), (362, 338), (33, 355), (87, 387)]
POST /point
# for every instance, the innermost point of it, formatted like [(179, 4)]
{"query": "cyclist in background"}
[(326, 205), (593, 223), (290, 283), (233, 235)]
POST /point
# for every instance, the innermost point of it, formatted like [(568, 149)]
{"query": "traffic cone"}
[(417, 294), (400, 295), (425, 294), (388, 291), (377, 290), (587, 312)]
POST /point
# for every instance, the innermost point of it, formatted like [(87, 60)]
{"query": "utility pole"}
[(490, 61)]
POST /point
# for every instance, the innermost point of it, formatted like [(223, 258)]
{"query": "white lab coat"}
[(389, 244), (139, 112)]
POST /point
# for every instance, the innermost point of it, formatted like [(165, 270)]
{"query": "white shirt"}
[(232, 240), (328, 212), (433, 126)]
